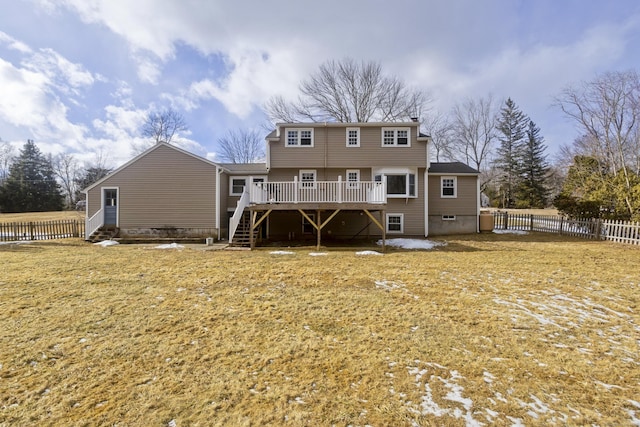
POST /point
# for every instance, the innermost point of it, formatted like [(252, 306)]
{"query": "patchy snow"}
[(368, 253), (411, 243), (318, 254), (18, 242), (106, 243), (169, 246), (281, 253), (520, 232)]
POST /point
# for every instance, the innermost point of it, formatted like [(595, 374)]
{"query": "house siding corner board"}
[(331, 151), (166, 190)]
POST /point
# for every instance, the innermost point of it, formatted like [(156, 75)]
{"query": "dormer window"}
[(299, 137), (396, 137)]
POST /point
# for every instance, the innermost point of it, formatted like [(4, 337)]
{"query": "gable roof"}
[(144, 153), (454, 168)]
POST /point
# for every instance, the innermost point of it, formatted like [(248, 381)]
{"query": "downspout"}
[(426, 189), (478, 203), (217, 218)]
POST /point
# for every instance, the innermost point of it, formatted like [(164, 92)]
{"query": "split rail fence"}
[(598, 229), (41, 230)]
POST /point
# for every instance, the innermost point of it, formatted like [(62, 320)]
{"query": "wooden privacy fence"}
[(41, 230), (590, 228)]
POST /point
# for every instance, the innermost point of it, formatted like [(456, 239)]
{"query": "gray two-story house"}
[(320, 182)]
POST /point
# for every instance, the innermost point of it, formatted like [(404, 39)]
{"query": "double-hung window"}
[(395, 223), (353, 177), (448, 187), (299, 137), (308, 178), (396, 137), (353, 137), (237, 185)]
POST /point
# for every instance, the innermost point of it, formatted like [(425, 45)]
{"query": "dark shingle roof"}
[(452, 168), (245, 167)]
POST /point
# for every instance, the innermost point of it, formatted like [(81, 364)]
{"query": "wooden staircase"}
[(242, 237), (106, 232)]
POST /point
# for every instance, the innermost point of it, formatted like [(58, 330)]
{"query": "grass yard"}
[(489, 329), (42, 216)]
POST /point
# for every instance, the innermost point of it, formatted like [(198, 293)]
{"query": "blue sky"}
[(79, 76)]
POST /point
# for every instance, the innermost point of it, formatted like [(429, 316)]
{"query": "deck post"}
[(318, 229), (384, 231), (252, 216)]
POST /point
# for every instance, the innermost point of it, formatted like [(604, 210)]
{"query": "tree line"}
[(597, 174)]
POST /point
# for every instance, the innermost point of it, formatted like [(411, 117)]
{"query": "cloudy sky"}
[(79, 76)]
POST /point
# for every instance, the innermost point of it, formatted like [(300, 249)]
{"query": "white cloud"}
[(13, 43)]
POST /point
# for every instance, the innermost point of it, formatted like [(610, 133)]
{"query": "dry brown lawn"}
[(42, 216), (490, 329)]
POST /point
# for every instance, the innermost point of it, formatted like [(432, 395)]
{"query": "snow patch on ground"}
[(520, 232), (412, 243), (106, 243), (169, 246), (360, 253), (318, 254), (18, 242), (281, 253)]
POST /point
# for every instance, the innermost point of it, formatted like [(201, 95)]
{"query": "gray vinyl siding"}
[(330, 150), (466, 202), (164, 188)]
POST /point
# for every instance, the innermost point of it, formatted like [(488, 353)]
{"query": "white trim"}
[(386, 172), (478, 203), (217, 215), (395, 131), (455, 187), (231, 178), (303, 182), (352, 184), (399, 215), (117, 203), (357, 144), (426, 202), (298, 137)]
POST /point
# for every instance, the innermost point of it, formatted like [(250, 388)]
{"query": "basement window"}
[(395, 223), (448, 217)]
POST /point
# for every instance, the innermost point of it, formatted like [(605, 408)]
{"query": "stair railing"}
[(237, 214), (93, 223)]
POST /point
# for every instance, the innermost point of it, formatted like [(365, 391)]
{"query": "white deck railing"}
[(237, 214), (93, 223), (318, 192)]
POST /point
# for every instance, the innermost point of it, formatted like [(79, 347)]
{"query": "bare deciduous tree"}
[(7, 153), (607, 110), (66, 168), (440, 129), (349, 91), (242, 146), (161, 126), (474, 136)]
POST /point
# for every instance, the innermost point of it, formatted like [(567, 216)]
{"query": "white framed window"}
[(448, 187), (236, 185), (299, 137), (396, 137), (353, 178), (353, 137), (307, 178), (448, 217), (400, 183), (395, 223)]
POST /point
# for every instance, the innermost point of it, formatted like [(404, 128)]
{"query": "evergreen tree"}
[(31, 185), (512, 124), (533, 190)]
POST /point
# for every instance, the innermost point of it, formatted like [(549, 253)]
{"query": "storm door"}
[(110, 206)]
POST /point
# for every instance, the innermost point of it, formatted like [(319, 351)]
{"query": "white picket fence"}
[(592, 228)]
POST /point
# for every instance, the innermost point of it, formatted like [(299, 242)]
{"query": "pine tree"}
[(31, 185), (511, 127), (533, 190)]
